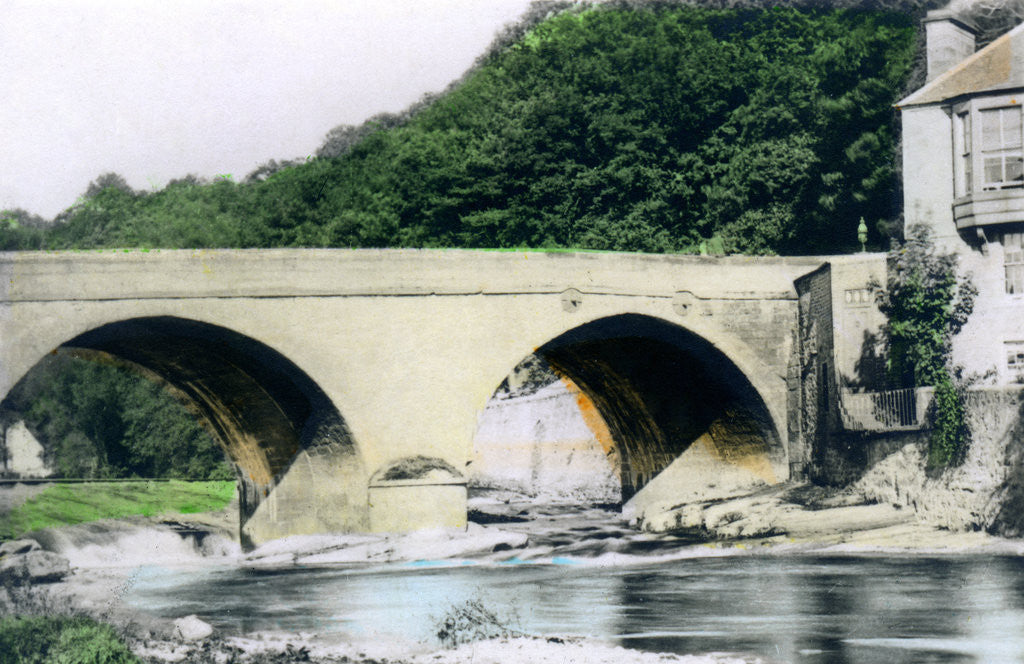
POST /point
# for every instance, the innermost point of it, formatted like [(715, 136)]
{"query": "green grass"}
[(61, 640), (67, 504)]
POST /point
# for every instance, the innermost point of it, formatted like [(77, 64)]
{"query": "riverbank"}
[(790, 522), (787, 518)]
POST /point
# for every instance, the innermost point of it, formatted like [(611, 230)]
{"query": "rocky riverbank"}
[(798, 519)]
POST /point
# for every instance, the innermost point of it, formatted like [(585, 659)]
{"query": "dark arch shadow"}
[(261, 407), (659, 388)]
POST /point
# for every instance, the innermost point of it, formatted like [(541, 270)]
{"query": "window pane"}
[(990, 135), (1013, 262), (1014, 168), (993, 169), (967, 132), (1011, 127), (1014, 279)]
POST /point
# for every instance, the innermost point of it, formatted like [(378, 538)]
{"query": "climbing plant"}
[(927, 302)]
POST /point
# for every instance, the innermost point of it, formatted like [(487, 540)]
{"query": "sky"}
[(155, 90)]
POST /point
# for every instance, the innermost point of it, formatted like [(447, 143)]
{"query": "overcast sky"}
[(154, 90)]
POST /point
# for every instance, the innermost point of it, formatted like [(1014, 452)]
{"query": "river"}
[(586, 574)]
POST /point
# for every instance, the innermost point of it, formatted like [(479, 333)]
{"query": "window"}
[(1015, 359), (1013, 262), (859, 297), (1002, 156), (964, 140)]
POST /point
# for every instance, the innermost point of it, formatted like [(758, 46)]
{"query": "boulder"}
[(191, 628), (34, 566), (16, 547)]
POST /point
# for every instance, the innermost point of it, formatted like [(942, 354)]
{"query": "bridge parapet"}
[(138, 274)]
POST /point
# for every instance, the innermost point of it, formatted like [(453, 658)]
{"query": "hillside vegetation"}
[(102, 420), (654, 128)]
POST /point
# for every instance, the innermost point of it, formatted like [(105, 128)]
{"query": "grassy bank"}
[(61, 639), (67, 504)]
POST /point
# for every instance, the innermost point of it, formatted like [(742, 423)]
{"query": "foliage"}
[(651, 126), (61, 640), (20, 229), (99, 419), (927, 303), (67, 504), (950, 434), (471, 621)]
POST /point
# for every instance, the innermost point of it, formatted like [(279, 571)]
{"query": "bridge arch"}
[(277, 426), (662, 391)]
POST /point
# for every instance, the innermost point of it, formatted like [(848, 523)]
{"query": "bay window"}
[(988, 162)]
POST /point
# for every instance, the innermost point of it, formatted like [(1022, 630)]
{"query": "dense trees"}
[(653, 127), (99, 419)]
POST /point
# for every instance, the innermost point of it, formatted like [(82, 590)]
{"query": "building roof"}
[(998, 66)]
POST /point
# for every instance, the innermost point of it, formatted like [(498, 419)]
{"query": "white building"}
[(963, 177)]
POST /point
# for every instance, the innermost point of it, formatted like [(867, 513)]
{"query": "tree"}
[(108, 181), (20, 229), (927, 303)]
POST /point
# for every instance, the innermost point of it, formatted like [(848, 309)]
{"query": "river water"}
[(590, 576)]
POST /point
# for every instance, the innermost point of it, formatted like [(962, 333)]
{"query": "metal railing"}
[(891, 410)]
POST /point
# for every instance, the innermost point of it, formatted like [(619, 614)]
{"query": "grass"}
[(67, 504), (61, 640)]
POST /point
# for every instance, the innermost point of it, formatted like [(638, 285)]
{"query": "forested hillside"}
[(653, 128)]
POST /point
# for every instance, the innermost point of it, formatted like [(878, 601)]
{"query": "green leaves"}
[(102, 420), (927, 303), (648, 128)]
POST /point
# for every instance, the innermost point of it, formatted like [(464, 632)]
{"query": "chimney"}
[(949, 41)]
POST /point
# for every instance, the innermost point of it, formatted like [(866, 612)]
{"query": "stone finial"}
[(949, 41)]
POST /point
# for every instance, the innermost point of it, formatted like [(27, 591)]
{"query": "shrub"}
[(472, 621), (61, 640), (949, 436)]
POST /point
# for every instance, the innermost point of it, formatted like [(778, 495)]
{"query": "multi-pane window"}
[(1001, 148), (1013, 262)]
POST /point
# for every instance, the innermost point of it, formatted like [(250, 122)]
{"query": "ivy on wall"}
[(927, 302)]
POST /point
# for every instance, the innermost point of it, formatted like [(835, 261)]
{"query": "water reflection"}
[(845, 610)]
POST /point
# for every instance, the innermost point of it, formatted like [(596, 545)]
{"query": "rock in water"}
[(34, 566), (191, 628)]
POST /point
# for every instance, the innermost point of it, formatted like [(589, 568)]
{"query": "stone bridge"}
[(346, 385)]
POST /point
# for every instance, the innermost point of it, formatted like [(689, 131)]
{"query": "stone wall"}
[(985, 492), (541, 445)]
